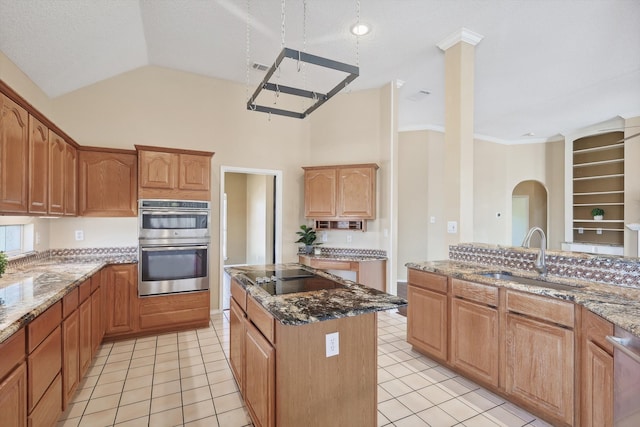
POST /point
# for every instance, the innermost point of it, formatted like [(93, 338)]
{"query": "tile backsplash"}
[(598, 268)]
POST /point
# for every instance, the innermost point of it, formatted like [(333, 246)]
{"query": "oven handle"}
[(174, 212), (172, 248), (622, 345)]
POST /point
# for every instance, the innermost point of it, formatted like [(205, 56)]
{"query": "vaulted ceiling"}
[(543, 67)]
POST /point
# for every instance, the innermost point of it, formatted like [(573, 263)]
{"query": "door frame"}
[(277, 217)]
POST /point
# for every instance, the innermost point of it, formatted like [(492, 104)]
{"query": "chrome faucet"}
[(540, 265)]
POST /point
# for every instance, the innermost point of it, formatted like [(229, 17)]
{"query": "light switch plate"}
[(452, 227), (79, 235), (333, 344)]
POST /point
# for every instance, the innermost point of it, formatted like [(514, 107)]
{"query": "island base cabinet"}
[(259, 389), (540, 367), (13, 398), (316, 390), (236, 343)]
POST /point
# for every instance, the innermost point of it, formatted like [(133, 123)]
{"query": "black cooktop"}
[(304, 284)]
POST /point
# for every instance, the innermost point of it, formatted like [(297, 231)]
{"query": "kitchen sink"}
[(531, 282)]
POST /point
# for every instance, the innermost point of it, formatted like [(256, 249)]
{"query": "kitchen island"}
[(305, 358)]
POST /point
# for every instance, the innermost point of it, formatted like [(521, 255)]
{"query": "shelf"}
[(359, 225), (585, 178), (598, 163), (596, 229), (599, 204), (601, 148), (597, 193), (602, 220)]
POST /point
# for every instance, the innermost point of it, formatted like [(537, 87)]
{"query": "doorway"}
[(528, 209), (250, 225)]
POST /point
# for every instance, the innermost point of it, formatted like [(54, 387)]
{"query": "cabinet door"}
[(13, 398), (85, 336), (122, 294), (540, 366), (474, 340), (38, 166), (14, 156), (194, 173), (108, 184), (70, 180), (320, 193), (597, 388), (357, 192), (236, 343), (97, 328), (157, 169), (259, 390), (70, 356), (427, 321), (56, 174)]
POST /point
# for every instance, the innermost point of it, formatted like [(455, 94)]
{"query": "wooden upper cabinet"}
[(108, 183), (195, 172), (14, 156), (70, 180), (157, 169), (38, 166), (57, 147), (357, 192), (320, 193), (167, 173), (340, 192)]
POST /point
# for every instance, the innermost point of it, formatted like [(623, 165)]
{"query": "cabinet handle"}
[(622, 344), (173, 248)]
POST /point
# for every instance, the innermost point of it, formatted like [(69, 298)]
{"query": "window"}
[(16, 239)]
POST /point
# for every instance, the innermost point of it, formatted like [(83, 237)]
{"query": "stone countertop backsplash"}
[(34, 283), (346, 254), (314, 306), (606, 285)]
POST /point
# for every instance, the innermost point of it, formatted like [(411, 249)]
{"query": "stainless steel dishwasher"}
[(626, 379)]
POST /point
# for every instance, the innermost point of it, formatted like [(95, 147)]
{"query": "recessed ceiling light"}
[(360, 29)]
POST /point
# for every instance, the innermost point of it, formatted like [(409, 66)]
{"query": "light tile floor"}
[(184, 379)]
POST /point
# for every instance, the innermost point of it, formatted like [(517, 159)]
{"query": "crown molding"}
[(462, 35)]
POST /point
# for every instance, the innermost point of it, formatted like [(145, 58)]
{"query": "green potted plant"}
[(308, 237), (597, 213), (3, 263)]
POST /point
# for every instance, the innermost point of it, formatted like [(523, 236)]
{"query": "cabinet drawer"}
[(261, 318), (326, 264), (50, 407), (167, 310), (43, 365), (85, 290), (544, 308), (595, 329), (70, 302), (239, 294), (96, 279), (12, 352), (432, 281), (477, 292), (42, 326)]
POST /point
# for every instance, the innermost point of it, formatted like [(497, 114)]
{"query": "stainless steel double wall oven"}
[(174, 238)]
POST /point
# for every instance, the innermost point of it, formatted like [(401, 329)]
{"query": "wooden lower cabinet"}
[(13, 398), (97, 320), (370, 273), (178, 311), (596, 389), (47, 412), (44, 381), (427, 323), (540, 366), (260, 366), (121, 285), (237, 326), (70, 356), (474, 340), (85, 336)]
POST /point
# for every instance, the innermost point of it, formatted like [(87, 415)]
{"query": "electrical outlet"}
[(325, 237), (79, 235), (349, 238), (333, 344), (580, 230), (598, 230), (37, 238), (432, 220), (452, 227)]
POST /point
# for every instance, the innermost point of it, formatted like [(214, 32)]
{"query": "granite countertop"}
[(28, 290), (314, 306), (618, 304)]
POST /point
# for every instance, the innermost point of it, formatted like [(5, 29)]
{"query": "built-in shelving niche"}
[(359, 225), (598, 182)]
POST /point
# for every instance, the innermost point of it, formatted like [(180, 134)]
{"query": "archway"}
[(529, 209)]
